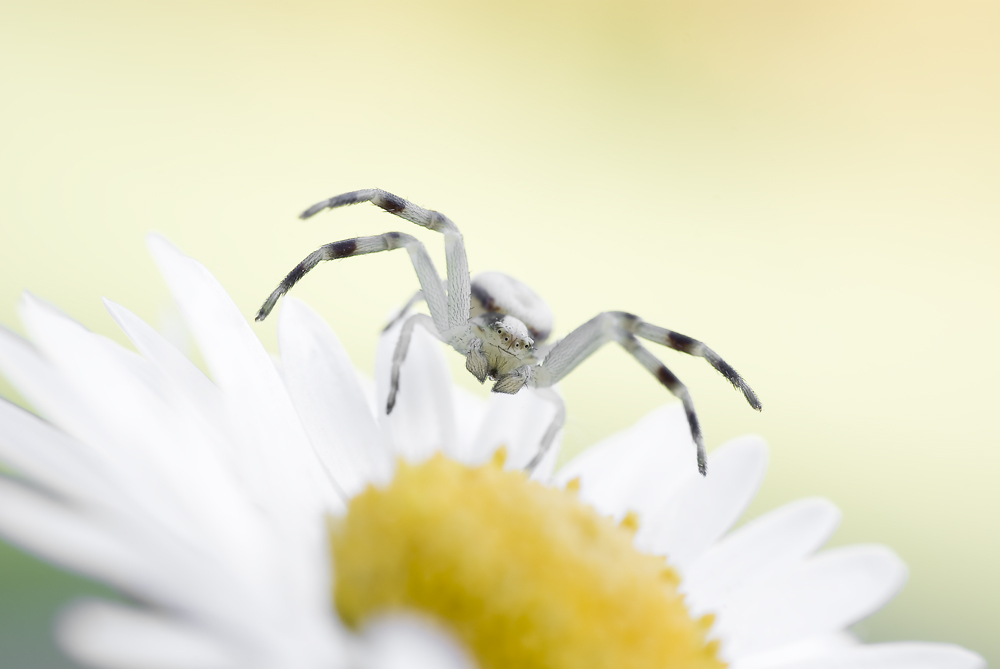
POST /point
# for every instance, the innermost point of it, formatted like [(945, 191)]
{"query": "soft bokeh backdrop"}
[(811, 188)]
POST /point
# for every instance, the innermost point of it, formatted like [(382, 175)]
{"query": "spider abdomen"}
[(495, 292)]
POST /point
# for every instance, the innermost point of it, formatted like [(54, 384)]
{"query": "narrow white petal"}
[(237, 529), (765, 546), (48, 391), (119, 637), (191, 385), (470, 410), (823, 594), (180, 465), (707, 506), (407, 642), (516, 421), (367, 384), (330, 401), (284, 474), (821, 645), (423, 420), (906, 655), (71, 538), (637, 469), (49, 457), (264, 421)]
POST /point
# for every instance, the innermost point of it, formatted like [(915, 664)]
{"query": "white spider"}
[(498, 323)]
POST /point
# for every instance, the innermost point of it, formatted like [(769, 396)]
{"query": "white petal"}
[(546, 467), (765, 546), (636, 469), (825, 593), (48, 391), (264, 421), (73, 539), (199, 500), (118, 637), (330, 401), (470, 410), (40, 452), (423, 420), (284, 475), (408, 642), (906, 655), (821, 645), (515, 421), (204, 399), (706, 507), (368, 389)]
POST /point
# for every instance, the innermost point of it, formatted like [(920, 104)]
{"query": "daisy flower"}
[(273, 517)]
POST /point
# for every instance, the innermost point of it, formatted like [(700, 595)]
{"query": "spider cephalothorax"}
[(499, 324)]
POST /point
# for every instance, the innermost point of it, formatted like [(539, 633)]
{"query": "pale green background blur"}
[(812, 188)]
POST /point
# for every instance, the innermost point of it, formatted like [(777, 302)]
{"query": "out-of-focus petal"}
[(121, 390), (765, 546), (117, 637), (203, 398), (823, 594), (327, 394), (906, 655), (705, 507), (470, 409), (49, 457), (284, 474), (262, 416), (638, 468), (76, 541), (819, 645), (406, 642)]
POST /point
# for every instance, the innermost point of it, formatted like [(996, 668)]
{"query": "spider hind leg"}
[(625, 328)]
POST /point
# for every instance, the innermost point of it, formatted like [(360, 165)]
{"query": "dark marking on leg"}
[(695, 428), (342, 249), (691, 346), (667, 378), (674, 385), (681, 342), (392, 203), (286, 284), (345, 199)]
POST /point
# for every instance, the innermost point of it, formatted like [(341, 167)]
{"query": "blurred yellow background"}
[(811, 188)]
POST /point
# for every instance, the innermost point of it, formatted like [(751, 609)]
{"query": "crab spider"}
[(498, 323)]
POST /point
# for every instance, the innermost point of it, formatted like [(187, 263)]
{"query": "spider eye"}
[(506, 338)]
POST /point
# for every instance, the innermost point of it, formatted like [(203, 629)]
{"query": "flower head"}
[(270, 517)]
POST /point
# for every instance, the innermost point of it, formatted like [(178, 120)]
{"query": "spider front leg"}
[(430, 282), (558, 420), (399, 355), (459, 291)]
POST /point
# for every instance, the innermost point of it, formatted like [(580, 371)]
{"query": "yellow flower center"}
[(526, 576)]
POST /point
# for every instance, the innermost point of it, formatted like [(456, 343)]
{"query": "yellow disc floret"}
[(526, 576)]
